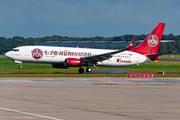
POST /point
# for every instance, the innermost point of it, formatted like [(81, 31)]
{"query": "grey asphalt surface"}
[(91, 80), (90, 98)]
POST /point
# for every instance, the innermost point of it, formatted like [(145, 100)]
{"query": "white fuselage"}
[(47, 54)]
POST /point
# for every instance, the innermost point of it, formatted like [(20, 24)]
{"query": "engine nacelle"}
[(73, 62), (59, 66)]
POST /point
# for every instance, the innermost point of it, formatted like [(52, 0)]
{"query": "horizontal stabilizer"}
[(158, 54), (169, 59)]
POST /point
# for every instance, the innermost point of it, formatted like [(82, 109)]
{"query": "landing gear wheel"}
[(88, 69), (81, 70), (20, 67)]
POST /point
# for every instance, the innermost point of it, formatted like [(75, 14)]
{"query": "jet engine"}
[(73, 62), (57, 65)]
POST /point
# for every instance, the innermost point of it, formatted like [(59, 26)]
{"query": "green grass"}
[(7, 66)]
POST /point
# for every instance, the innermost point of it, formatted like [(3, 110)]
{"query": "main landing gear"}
[(88, 69), (81, 70)]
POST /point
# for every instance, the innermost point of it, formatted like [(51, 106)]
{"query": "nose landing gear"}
[(20, 62), (20, 67)]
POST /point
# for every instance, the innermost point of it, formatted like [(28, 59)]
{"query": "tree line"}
[(7, 44)]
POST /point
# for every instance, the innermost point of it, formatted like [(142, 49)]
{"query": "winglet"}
[(131, 44)]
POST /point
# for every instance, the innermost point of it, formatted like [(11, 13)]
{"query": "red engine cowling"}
[(59, 66), (73, 62)]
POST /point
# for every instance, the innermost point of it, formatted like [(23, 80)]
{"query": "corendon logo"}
[(122, 61), (37, 53), (152, 40)]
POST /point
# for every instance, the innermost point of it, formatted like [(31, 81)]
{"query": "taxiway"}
[(89, 98)]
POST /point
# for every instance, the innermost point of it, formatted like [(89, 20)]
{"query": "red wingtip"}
[(131, 44)]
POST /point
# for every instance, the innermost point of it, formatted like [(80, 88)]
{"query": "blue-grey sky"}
[(87, 18)]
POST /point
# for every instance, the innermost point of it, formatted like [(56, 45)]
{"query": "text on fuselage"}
[(67, 53)]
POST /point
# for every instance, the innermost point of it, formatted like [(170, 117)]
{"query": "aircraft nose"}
[(7, 54)]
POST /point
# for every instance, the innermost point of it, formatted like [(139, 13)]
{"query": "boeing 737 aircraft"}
[(65, 57)]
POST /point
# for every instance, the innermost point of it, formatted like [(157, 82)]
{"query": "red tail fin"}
[(151, 44)]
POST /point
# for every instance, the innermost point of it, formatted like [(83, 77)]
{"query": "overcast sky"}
[(87, 18)]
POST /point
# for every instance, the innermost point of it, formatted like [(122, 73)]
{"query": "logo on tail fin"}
[(153, 40), (151, 43)]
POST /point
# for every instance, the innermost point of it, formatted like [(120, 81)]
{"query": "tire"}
[(88, 70), (81, 70)]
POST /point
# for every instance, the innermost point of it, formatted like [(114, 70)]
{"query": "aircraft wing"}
[(101, 57), (105, 56)]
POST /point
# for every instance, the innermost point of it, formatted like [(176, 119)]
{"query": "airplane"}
[(65, 57)]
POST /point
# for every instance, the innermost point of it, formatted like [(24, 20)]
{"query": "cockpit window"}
[(15, 50)]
